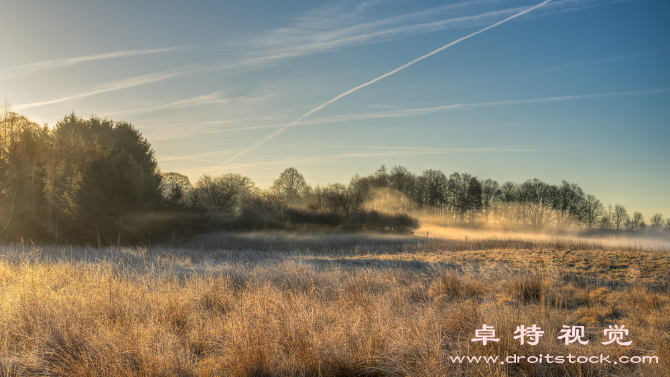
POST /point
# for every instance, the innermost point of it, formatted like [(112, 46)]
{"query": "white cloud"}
[(279, 131), (343, 24), (109, 87), (207, 99), (26, 69)]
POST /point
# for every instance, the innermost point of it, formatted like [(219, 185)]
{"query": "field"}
[(328, 305)]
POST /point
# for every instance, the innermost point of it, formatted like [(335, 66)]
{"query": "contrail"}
[(401, 113), (428, 110), (279, 131), (109, 87), (207, 99), (25, 69)]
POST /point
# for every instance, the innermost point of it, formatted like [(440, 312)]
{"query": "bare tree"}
[(656, 221), (605, 221), (291, 184), (534, 197), (571, 200), (433, 184), (224, 193), (620, 216), (338, 197), (402, 180), (266, 204), (456, 195), (593, 210), (490, 196), (636, 222), (175, 186), (474, 199)]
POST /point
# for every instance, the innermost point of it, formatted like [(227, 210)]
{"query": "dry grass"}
[(370, 308)]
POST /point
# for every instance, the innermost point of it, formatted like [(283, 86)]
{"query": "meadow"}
[(328, 305)]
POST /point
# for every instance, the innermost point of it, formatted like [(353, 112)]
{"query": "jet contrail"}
[(279, 131), (109, 87), (25, 69)]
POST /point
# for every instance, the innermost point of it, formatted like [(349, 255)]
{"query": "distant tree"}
[(656, 221), (636, 222), (401, 179), (509, 196), (534, 197), (434, 184), (23, 160), (224, 193), (474, 199), (262, 208), (381, 177), (620, 216), (175, 186), (490, 196), (593, 211), (570, 204), (291, 184), (605, 221), (317, 201), (120, 179), (338, 197), (456, 195), (509, 192)]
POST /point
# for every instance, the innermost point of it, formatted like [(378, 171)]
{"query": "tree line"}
[(462, 199), (91, 180), (458, 200), (96, 180)]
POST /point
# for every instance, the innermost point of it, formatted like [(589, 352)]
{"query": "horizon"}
[(571, 90)]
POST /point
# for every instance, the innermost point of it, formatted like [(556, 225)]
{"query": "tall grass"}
[(370, 309)]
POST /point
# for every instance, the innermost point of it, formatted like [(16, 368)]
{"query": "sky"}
[(575, 90)]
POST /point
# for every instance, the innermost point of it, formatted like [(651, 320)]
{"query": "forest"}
[(98, 181)]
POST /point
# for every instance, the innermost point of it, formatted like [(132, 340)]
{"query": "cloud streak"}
[(108, 87), (404, 113), (334, 27), (279, 131), (26, 69), (428, 110), (392, 151), (207, 99)]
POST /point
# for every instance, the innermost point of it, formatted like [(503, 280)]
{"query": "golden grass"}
[(370, 309)]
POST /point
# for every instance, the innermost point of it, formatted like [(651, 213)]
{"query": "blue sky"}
[(575, 90)]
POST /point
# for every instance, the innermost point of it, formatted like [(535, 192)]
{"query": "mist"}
[(436, 225)]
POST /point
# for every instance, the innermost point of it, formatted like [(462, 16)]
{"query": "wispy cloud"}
[(402, 113), (381, 151), (193, 131), (108, 87), (26, 69), (592, 62), (279, 131), (201, 124), (428, 110), (182, 135), (208, 99), (343, 24)]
